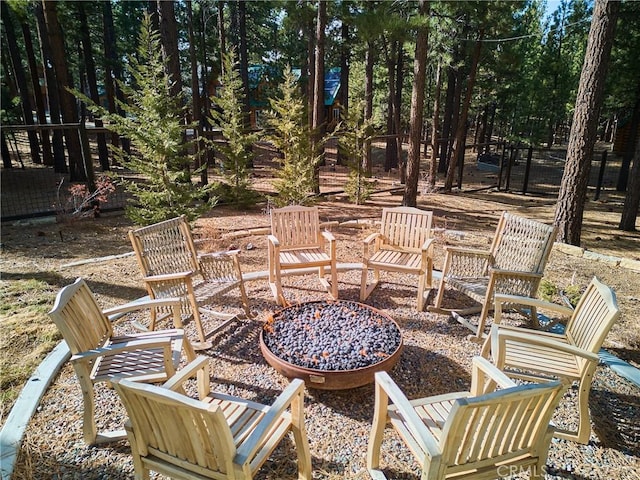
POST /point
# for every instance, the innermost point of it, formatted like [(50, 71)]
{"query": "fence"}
[(30, 189)]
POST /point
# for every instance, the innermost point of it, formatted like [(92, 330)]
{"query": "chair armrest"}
[(169, 276), (483, 369), (522, 336), (294, 392), (371, 238), (497, 272), (467, 252), (428, 244), (198, 367), (132, 345), (218, 255), (151, 303), (273, 240), (532, 302), (465, 262), (414, 423), (328, 236)]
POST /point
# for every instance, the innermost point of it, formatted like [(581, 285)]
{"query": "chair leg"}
[(479, 335), (438, 301), (581, 435), (300, 439), (377, 430), (276, 290), (245, 300), (366, 290), (89, 428), (422, 280), (334, 281)]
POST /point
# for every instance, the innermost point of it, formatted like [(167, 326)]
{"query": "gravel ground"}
[(436, 359)]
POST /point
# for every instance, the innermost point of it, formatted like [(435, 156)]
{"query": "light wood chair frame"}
[(213, 436), (172, 267), (571, 356), (404, 244), (98, 355), (514, 265), (297, 246), (469, 435)]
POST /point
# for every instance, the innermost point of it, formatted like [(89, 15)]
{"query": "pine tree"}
[(354, 134), (228, 115), (292, 137), (153, 125)]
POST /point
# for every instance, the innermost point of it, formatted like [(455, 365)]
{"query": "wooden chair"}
[(513, 265), (403, 244), (215, 436), (572, 356), (480, 434), (296, 245), (100, 356), (172, 267)]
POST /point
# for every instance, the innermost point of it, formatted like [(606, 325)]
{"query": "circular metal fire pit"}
[(331, 345)]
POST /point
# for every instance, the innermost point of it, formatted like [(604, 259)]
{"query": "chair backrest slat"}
[(480, 431), (406, 227), (595, 314), (522, 244), (80, 319), (296, 226), (171, 425), (165, 247)]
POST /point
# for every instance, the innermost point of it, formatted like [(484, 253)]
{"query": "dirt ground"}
[(37, 249), (99, 251)]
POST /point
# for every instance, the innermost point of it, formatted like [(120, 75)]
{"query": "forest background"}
[(510, 70)]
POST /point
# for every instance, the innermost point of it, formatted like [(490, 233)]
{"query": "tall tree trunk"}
[(368, 102), (397, 103), (152, 10), (459, 141), (623, 176), (435, 126), (47, 158), (391, 150), (417, 108), (311, 65), (345, 53), (222, 40), (103, 152), (318, 89), (447, 119), (244, 57), (488, 134), (112, 71), (195, 96), (67, 100), (21, 81), (632, 198), (59, 160), (573, 188), (169, 40)]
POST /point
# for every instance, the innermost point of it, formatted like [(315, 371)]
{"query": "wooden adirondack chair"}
[(100, 356), (480, 434), (403, 244), (172, 267), (297, 246), (513, 265), (572, 356), (214, 436)]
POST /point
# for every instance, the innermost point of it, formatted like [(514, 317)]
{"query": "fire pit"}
[(331, 345)]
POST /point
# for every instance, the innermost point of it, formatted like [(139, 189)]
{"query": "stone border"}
[(598, 257)]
